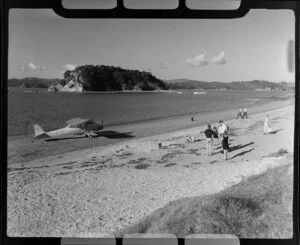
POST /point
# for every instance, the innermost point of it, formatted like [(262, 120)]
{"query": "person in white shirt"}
[(245, 113), (223, 134), (267, 128)]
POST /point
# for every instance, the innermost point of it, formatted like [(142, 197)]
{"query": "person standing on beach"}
[(239, 114), (209, 137), (223, 132), (267, 128), (215, 135), (245, 113)]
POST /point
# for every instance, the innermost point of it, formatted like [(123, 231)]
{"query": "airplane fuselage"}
[(65, 131), (76, 126)]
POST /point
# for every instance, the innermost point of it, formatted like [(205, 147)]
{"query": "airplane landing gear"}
[(90, 136)]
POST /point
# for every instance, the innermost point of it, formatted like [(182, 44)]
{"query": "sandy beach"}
[(86, 188), (25, 149)]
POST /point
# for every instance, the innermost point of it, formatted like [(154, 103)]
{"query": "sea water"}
[(52, 110)]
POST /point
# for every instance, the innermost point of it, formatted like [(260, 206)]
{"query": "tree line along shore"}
[(99, 78)]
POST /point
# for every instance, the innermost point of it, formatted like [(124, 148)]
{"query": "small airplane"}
[(75, 126)]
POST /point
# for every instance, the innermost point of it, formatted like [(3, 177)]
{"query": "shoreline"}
[(43, 90), (113, 122), (24, 149), (254, 107)]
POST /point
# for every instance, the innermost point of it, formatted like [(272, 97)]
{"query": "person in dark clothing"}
[(223, 133), (215, 135), (239, 114), (209, 137)]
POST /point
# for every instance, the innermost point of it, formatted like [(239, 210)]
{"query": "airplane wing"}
[(88, 126), (77, 121)]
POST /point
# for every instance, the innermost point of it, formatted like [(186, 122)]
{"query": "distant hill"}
[(108, 78), (243, 85), (32, 82)]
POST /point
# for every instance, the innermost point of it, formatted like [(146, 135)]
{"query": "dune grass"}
[(257, 207), (279, 153)]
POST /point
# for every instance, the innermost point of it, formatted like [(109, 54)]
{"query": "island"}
[(107, 78)]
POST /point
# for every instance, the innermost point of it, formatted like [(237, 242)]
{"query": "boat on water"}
[(199, 92)]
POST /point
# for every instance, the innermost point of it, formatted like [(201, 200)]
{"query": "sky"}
[(42, 44)]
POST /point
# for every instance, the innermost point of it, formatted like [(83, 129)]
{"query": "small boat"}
[(199, 92)]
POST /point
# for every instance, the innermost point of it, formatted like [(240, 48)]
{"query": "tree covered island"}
[(107, 78)]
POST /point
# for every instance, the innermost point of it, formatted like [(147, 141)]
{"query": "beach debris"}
[(169, 165), (142, 166), (190, 139), (196, 163)]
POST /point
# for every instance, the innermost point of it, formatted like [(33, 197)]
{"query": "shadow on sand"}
[(242, 153), (239, 146), (276, 131), (235, 147), (198, 140), (65, 138), (110, 134)]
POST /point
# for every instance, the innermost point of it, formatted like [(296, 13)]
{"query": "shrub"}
[(279, 153)]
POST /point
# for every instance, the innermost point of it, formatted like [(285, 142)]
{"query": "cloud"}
[(220, 59), (197, 61), (34, 67), (162, 65), (69, 66), (22, 68)]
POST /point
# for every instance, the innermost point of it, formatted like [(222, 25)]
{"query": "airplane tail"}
[(39, 133)]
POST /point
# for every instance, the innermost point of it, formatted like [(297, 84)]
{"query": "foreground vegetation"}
[(257, 207)]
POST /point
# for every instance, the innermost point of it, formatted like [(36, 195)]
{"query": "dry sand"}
[(86, 193)]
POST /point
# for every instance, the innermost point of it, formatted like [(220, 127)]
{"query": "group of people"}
[(242, 113), (222, 133)]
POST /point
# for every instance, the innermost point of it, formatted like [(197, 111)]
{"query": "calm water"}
[(51, 110)]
